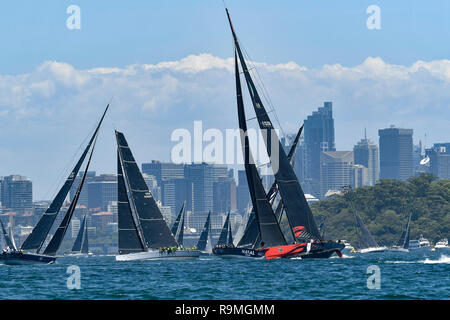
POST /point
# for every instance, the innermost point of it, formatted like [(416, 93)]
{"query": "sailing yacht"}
[(272, 244), (403, 243), (143, 232), (367, 243), (36, 239), (81, 245)]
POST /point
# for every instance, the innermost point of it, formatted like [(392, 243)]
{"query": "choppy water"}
[(403, 276)]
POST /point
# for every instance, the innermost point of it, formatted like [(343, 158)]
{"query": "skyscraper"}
[(319, 137), (335, 170), (16, 193), (163, 170), (439, 156), (366, 154), (396, 153)]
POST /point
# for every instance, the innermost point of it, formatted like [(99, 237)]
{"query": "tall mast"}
[(37, 237), (269, 229), (297, 209)]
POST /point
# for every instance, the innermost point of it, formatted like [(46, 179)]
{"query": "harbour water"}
[(402, 276)]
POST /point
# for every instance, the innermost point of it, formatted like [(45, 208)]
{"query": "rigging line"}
[(260, 83)]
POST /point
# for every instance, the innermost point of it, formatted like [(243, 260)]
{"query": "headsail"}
[(181, 231), (230, 236), (365, 238), (404, 238), (156, 233), (269, 229), (224, 233), (129, 238), (297, 209), (8, 240), (177, 220), (202, 241), (37, 237), (58, 237), (85, 246), (79, 240)]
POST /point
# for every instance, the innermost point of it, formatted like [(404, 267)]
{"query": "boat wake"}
[(442, 259)]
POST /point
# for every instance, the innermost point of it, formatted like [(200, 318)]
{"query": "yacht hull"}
[(156, 255), (372, 250), (26, 258), (302, 250)]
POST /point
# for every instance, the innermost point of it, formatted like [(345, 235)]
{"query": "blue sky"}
[(167, 64)]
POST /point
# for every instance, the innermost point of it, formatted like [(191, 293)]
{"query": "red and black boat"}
[(270, 242)]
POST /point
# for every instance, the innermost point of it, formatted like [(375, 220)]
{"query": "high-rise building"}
[(242, 193), (335, 170), (359, 176), (201, 176), (223, 190), (16, 193), (318, 137), (439, 156), (175, 191), (396, 153), (163, 170), (366, 154), (101, 191)]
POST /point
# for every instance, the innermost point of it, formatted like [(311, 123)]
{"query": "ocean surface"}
[(401, 276)]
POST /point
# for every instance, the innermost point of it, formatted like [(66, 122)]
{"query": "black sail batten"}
[(77, 245), (365, 238), (129, 240), (37, 237), (224, 233), (203, 240), (58, 237), (269, 229), (181, 231), (297, 209), (156, 233), (177, 220), (8, 240)]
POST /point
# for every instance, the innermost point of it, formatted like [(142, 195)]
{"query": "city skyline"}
[(52, 96)]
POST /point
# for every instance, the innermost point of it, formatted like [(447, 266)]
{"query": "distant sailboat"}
[(403, 243), (367, 243), (7, 238), (204, 244), (143, 232), (81, 244), (36, 239)]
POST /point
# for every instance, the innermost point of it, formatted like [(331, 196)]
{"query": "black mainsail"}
[(297, 209), (204, 236), (37, 237), (251, 234), (129, 239), (156, 234), (269, 229), (58, 237), (81, 242)]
